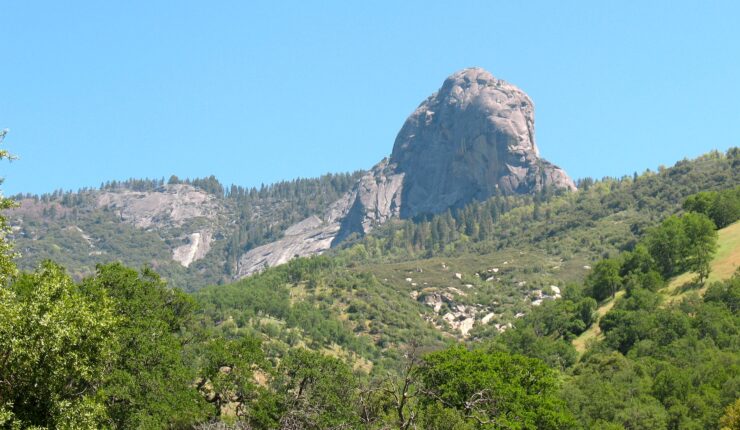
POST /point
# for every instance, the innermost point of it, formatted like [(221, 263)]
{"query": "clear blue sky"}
[(256, 92)]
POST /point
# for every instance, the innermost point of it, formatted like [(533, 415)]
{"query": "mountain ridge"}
[(470, 140)]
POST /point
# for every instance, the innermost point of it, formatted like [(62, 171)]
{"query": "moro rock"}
[(469, 140)]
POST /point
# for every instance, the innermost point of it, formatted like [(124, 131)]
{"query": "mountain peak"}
[(472, 138)]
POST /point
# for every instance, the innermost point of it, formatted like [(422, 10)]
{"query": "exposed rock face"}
[(468, 141), (197, 246), (471, 139), (375, 199), (311, 236), (169, 206), (475, 135)]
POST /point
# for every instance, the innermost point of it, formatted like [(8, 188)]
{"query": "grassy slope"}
[(724, 264), (519, 272), (582, 341)]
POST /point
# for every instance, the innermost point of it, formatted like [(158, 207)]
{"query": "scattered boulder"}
[(456, 291), (486, 319)]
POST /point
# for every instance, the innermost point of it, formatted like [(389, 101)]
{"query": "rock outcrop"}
[(468, 141), (168, 206), (471, 139), (375, 199), (196, 247), (311, 236)]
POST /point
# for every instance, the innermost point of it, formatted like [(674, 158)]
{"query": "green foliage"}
[(723, 207), (637, 261), (610, 390), (683, 243), (731, 419), (702, 243), (315, 303), (546, 332), (7, 266), (604, 280), (57, 345), (226, 375), (73, 230), (493, 390), (661, 367), (121, 349), (315, 392), (667, 244), (602, 218), (149, 384)]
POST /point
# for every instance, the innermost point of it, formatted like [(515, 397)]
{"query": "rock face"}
[(311, 236), (169, 206), (197, 246), (471, 139), (375, 199)]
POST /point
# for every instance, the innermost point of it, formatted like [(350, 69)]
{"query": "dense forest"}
[(326, 343)]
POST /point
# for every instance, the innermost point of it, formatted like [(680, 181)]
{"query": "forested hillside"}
[(147, 222), (510, 251), (466, 320)]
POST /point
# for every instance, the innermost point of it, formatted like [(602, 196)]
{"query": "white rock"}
[(199, 243), (457, 291), (466, 325)]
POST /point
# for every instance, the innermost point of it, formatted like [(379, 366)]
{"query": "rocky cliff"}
[(469, 140), (313, 235)]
